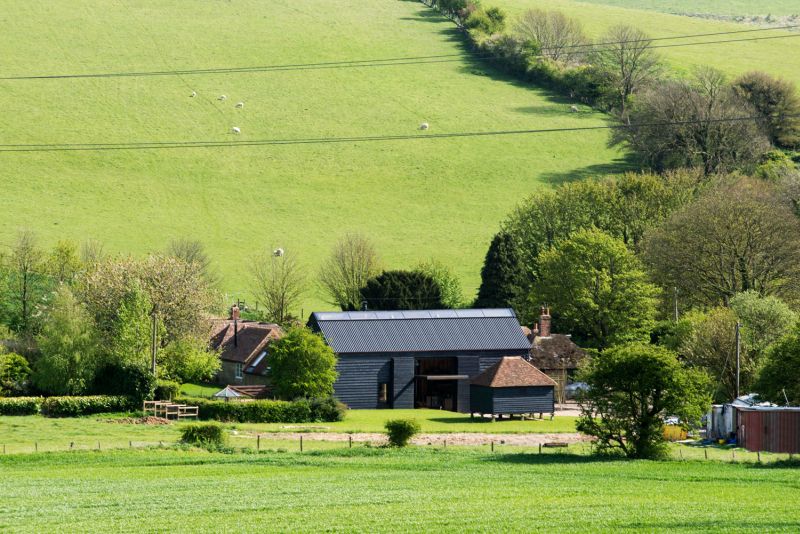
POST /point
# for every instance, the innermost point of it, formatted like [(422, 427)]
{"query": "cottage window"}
[(383, 392), (238, 370)]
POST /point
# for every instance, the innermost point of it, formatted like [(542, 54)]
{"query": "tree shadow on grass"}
[(478, 421), (547, 458), (598, 170)]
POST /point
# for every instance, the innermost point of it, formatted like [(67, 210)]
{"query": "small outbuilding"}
[(512, 386), (769, 428)]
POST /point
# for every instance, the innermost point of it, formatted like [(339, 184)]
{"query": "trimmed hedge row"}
[(204, 434), (74, 406), (20, 405), (269, 411)]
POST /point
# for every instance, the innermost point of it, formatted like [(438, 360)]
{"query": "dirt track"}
[(460, 438)]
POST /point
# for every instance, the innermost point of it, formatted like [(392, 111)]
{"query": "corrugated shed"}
[(770, 429), (421, 331)]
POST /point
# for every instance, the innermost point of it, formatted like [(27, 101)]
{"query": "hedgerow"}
[(268, 411), (20, 405), (75, 406)]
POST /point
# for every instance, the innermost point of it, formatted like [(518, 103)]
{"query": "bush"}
[(400, 431), (126, 380), (75, 406), (268, 411), (14, 374), (20, 405), (166, 390), (204, 434)]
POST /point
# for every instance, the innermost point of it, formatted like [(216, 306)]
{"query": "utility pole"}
[(738, 356), (676, 304), (153, 341)]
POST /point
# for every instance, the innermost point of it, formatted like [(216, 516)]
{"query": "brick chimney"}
[(234, 313), (544, 321)]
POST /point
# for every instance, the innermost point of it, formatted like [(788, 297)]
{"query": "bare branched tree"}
[(626, 54), (26, 264), (558, 37), (278, 284), (193, 253), (91, 252), (352, 262)]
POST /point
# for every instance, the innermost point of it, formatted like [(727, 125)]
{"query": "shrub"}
[(14, 373), (75, 406), (400, 431), (204, 434), (166, 390), (302, 365), (20, 405), (127, 380), (268, 411)]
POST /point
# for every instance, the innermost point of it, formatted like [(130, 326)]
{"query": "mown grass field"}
[(710, 7), (380, 490), (417, 199), (778, 56)]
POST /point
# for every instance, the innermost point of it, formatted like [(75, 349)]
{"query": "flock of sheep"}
[(223, 98)]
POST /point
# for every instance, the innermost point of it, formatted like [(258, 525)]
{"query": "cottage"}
[(512, 386), (243, 348), (556, 355), (417, 359)]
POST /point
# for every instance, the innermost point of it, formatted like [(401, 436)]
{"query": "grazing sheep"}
[(194, 94), (239, 105), (236, 130), (222, 98), (424, 126), (573, 109)]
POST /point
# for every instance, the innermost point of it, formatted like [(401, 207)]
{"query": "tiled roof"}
[(421, 331), (556, 351), (245, 345), (512, 372)]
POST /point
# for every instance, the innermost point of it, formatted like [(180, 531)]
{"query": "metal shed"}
[(770, 429), (512, 386)]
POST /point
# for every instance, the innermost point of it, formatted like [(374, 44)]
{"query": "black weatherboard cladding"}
[(359, 379)]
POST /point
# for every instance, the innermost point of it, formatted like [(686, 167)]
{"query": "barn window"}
[(238, 370), (383, 392)]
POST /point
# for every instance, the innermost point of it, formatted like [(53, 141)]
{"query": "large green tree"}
[(301, 364), (597, 289), (779, 379), (402, 290), (449, 284), (777, 101), (764, 320), (504, 282), (632, 387), (67, 345), (188, 360)]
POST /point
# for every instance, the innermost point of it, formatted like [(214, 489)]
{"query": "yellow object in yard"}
[(674, 433)]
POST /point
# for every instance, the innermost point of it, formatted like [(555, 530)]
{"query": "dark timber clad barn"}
[(512, 386), (408, 359)]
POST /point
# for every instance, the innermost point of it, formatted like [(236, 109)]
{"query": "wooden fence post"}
[(301, 443), (258, 442), (445, 443), (540, 448), (36, 446), (130, 444), (758, 453), (706, 451), (350, 440), (493, 446), (98, 445)]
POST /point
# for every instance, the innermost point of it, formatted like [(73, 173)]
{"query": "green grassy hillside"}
[(730, 8), (417, 199), (778, 56)]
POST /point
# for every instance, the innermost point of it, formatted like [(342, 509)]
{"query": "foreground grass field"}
[(778, 57), (417, 198), (389, 490)]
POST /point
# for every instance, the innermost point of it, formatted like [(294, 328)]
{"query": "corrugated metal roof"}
[(421, 331)]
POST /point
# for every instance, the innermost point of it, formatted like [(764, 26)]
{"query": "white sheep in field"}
[(236, 130), (573, 109), (424, 126), (239, 105), (194, 94), (222, 98)]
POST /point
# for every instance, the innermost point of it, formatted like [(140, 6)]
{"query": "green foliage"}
[(23, 283), (778, 103), (204, 435), (775, 166), (89, 405), (14, 374), (632, 388), (778, 380), (597, 289), (301, 365), (188, 359), (503, 280), (63, 263), (489, 21), (129, 337), (20, 405), (68, 347), (402, 290), (127, 380), (400, 431), (764, 321), (166, 390), (268, 411), (449, 284)]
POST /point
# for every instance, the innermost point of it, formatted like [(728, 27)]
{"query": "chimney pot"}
[(544, 322)]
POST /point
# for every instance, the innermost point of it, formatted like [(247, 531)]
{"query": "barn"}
[(417, 358), (512, 386)]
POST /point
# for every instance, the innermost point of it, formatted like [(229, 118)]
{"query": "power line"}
[(157, 145), (386, 62)]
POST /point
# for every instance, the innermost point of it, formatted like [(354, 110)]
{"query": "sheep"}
[(278, 252), (239, 105), (424, 126), (573, 109), (194, 94), (236, 130), (222, 98)]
